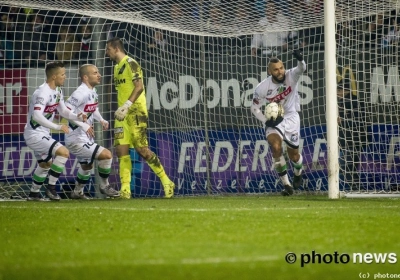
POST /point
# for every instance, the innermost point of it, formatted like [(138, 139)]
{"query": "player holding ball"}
[(280, 87)]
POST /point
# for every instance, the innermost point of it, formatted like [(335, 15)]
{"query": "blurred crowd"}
[(28, 37)]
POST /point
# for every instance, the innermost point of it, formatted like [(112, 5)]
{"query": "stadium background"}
[(228, 123)]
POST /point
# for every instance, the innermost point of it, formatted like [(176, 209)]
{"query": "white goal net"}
[(202, 61)]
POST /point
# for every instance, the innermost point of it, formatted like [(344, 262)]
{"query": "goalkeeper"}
[(131, 119), (281, 87)]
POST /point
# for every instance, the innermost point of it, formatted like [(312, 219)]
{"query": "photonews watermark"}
[(340, 258)]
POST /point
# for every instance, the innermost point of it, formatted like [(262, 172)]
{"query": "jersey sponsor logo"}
[(281, 96), (90, 107), (269, 92), (119, 81), (50, 109)]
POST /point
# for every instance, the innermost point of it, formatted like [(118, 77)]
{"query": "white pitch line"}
[(166, 261), (230, 260)]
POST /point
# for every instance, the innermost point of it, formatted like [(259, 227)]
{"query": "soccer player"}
[(80, 142), (131, 119), (281, 87), (42, 106)]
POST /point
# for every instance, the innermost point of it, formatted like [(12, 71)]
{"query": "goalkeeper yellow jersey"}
[(125, 72)]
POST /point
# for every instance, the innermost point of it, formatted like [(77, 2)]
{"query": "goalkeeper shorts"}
[(132, 131)]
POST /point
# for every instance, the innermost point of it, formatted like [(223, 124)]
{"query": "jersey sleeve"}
[(258, 101), (40, 101), (66, 112), (297, 71), (259, 97), (136, 72)]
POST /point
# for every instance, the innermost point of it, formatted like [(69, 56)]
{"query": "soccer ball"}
[(273, 110)]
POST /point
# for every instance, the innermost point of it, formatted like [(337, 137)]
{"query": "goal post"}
[(202, 61), (331, 99)]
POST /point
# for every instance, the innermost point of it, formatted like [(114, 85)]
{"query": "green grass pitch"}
[(244, 237)]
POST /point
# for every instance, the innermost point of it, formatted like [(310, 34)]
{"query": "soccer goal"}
[(202, 61)]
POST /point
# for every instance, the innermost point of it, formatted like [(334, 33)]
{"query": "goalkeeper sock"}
[(155, 165), (104, 170), (281, 167), (125, 169), (82, 178), (56, 169), (39, 176), (298, 166)]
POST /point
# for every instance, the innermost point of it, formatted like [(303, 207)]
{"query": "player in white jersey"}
[(281, 87), (80, 142), (42, 106)]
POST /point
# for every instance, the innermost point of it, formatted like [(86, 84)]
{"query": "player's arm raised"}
[(301, 65)]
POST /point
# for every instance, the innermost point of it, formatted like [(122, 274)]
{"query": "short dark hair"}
[(83, 70), (274, 60), (116, 43), (52, 66)]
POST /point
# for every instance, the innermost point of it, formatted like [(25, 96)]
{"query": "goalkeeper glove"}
[(298, 55), (121, 112)]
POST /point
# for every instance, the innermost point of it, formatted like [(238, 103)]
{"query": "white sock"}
[(104, 170), (56, 169), (39, 176), (298, 166), (281, 167)]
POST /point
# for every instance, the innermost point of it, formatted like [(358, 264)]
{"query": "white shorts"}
[(288, 129), (43, 145), (86, 153)]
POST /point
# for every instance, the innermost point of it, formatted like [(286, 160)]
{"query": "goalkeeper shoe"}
[(287, 190), (52, 193), (34, 196), (80, 195), (126, 191), (169, 189), (125, 194), (109, 191), (297, 181)]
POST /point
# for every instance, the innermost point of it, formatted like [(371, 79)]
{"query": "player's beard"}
[(279, 81)]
